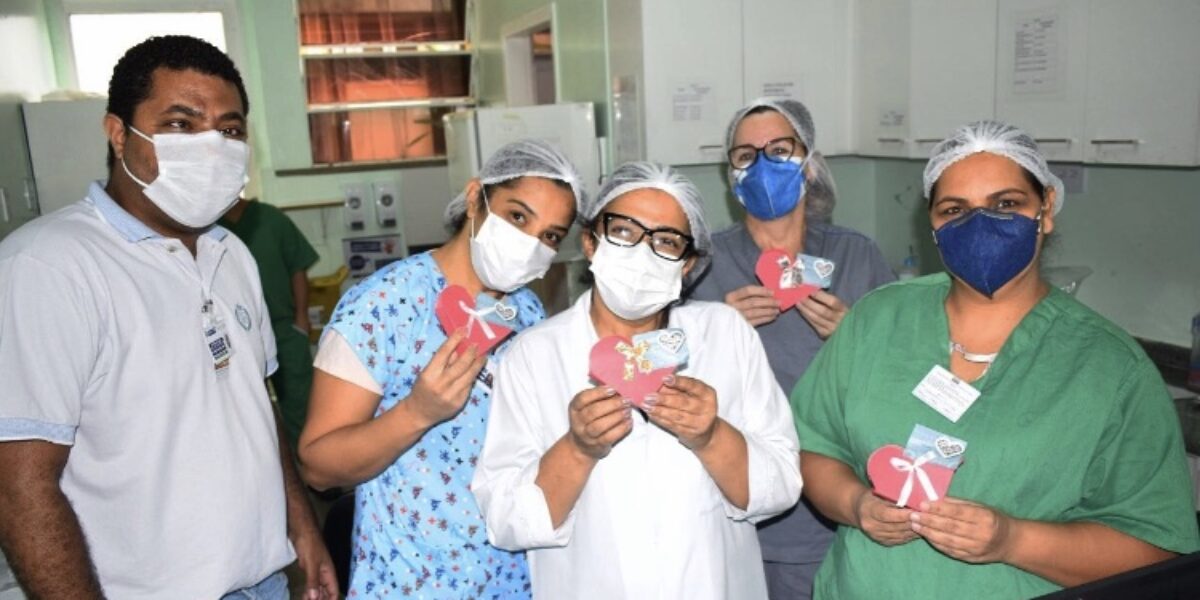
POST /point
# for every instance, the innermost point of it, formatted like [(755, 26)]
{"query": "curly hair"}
[(133, 75)]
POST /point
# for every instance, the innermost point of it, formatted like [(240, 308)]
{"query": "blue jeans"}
[(274, 587)]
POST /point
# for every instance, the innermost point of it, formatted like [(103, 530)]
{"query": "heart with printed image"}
[(487, 320), (636, 368), (904, 480), (779, 273)]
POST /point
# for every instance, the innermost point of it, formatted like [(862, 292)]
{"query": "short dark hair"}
[(134, 73)]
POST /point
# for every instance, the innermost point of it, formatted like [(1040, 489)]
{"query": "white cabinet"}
[(676, 68), (801, 49), (880, 77), (922, 68), (952, 66), (1143, 82), (1041, 72)]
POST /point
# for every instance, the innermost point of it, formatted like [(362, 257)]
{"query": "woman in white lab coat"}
[(613, 501)]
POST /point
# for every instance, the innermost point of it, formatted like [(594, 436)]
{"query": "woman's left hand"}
[(823, 311), (686, 407), (965, 530)]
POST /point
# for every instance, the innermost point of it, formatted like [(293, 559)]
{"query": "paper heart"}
[(948, 448), (824, 267), (456, 309), (672, 340), (616, 362), (771, 269), (891, 471), (505, 311)]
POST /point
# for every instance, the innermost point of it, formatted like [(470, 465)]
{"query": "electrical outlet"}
[(355, 205), (387, 204)]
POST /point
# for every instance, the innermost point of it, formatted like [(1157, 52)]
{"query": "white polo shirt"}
[(174, 467)]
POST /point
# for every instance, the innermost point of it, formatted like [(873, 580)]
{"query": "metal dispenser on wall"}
[(387, 204), (355, 207)]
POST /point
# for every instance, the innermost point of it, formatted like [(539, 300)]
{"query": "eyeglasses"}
[(776, 150), (667, 243)]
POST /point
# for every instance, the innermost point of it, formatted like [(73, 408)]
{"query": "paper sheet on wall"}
[(783, 88), (692, 102), (1037, 52)]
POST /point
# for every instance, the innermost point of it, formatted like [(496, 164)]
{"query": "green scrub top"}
[(1073, 424), (280, 250)]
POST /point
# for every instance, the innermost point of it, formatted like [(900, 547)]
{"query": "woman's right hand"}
[(882, 521), (599, 419), (756, 303), (445, 383)]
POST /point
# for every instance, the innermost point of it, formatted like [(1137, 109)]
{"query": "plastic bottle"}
[(909, 270)]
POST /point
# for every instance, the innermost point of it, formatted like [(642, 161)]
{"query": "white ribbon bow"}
[(478, 317), (914, 468)]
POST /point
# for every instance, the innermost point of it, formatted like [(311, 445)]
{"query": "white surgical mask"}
[(506, 258), (199, 175), (633, 281)]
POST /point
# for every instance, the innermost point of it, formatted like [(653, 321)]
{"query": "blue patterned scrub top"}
[(417, 529)]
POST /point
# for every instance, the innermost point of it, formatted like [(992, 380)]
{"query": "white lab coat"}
[(650, 523)]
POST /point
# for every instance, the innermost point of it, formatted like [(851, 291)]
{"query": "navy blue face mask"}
[(986, 249), (770, 189)]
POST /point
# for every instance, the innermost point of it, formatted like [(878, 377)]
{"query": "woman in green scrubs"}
[(1073, 467)]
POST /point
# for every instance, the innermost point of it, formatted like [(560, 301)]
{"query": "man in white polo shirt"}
[(139, 452)]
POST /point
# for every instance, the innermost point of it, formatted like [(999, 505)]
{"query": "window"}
[(99, 40), (380, 76)]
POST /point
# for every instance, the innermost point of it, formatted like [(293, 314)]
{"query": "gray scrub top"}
[(799, 535)]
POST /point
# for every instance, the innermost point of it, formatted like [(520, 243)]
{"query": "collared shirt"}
[(650, 522), (174, 466), (800, 535), (1073, 423), (417, 530)]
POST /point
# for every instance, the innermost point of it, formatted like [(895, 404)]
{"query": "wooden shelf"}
[(386, 50)]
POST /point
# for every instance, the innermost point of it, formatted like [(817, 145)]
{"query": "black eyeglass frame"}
[(689, 241), (761, 151)]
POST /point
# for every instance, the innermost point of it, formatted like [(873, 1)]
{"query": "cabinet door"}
[(693, 77), (953, 66), (800, 49), (881, 75), (1041, 72), (1143, 82)]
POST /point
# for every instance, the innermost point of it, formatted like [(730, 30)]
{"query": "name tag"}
[(485, 375), (942, 391), (217, 340)]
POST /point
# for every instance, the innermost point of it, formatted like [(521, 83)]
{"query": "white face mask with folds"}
[(633, 282), (199, 175), (506, 258)]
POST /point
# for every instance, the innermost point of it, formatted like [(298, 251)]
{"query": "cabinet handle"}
[(927, 140), (1117, 142), (890, 140), (1060, 140), (4, 205), (712, 147)]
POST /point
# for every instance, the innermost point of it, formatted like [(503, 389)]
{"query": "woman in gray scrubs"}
[(788, 192)]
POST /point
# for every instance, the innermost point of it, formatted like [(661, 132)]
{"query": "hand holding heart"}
[(686, 407), (445, 383), (965, 530), (823, 311), (883, 521), (599, 418), (756, 303)]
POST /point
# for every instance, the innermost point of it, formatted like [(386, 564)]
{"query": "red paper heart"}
[(887, 479), (608, 366), (770, 274), (451, 315)]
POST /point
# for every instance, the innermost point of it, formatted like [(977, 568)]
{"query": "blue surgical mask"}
[(987, 249), (770, 189)]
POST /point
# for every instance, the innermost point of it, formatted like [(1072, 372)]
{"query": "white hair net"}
[(820, 193), (522, 158), (996, 138), (643, 174)]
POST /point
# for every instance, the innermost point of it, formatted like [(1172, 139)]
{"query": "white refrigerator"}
[(66, 149)]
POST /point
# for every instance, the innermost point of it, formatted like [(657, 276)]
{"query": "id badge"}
[(942, 391), (219, 346)]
